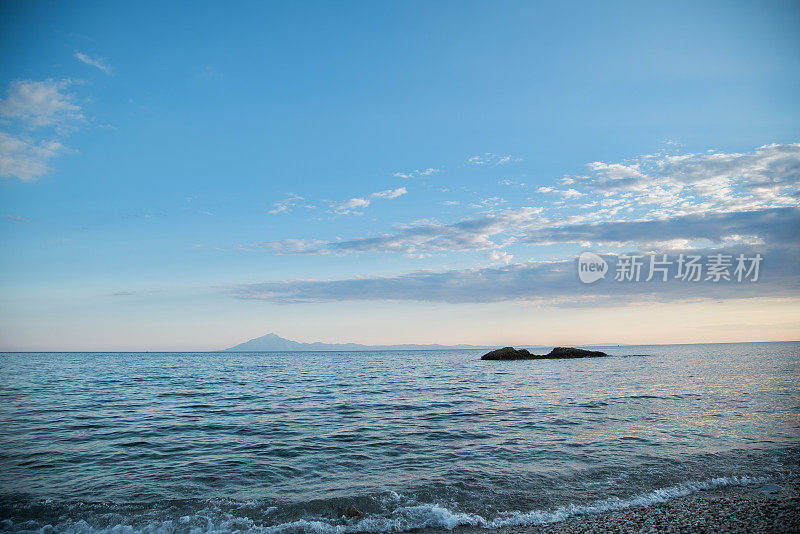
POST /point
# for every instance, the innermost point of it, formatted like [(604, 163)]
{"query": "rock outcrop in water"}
[(510, 353)]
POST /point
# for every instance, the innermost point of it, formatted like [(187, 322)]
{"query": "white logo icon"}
[(591, 267)]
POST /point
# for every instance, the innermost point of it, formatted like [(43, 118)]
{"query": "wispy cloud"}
[(25, 158), (40, 112), (500, 256), (285, 205), (646, 196), (490, 158), (774, 226), (414, 173), (553, 283), (694, 203), (39, 104), (566, 193), (490, 204), (675, 184), (351, 206), (390, 193), (470, 234), (94, 62)]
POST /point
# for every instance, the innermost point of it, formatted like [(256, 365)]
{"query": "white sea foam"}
[(403, 518), (614, 503)]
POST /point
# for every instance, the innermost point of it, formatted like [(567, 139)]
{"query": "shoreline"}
[(759, 508), (763, 507)]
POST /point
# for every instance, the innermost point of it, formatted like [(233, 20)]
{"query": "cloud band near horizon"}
[(771, 233)]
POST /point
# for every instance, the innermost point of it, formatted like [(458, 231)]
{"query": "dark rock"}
[(351, 512), (510, 353), (569, 352)]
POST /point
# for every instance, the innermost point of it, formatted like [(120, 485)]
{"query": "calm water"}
[(286, 441)]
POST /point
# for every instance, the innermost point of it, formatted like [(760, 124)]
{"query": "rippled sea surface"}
[(285, 442)]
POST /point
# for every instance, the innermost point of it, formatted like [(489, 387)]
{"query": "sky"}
[(190, 175)]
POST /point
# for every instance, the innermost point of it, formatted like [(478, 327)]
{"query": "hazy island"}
[(510, 353), (273, 342)]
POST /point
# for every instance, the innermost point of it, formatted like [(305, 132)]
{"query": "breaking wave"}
[(404, 518)]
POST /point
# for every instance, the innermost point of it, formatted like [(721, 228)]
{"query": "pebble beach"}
[(763, 509)]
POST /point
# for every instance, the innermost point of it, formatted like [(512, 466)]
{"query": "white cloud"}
[(490, 158), (29, 106), (500, 256), (569, 193), (351, 206), (39, 104), (554, 283), (737, 201), (94, 62), (653, 200), (295, 246), (390, 193), (24, 158), (680, 184), (572, 193), (490, 203), (285, 205), (469, 234), (775, 226), (417, 172)]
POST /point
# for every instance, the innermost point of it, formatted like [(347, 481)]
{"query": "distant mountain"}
[(272, 342)]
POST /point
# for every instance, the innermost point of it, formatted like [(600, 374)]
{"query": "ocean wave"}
[(615, 503), (407, 517)]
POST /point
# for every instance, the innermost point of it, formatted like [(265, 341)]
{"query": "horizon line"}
[(607, 345)]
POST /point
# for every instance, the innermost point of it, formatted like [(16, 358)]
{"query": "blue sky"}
[(366, 163)]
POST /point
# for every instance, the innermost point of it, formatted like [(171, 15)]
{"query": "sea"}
[(402, 440)]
